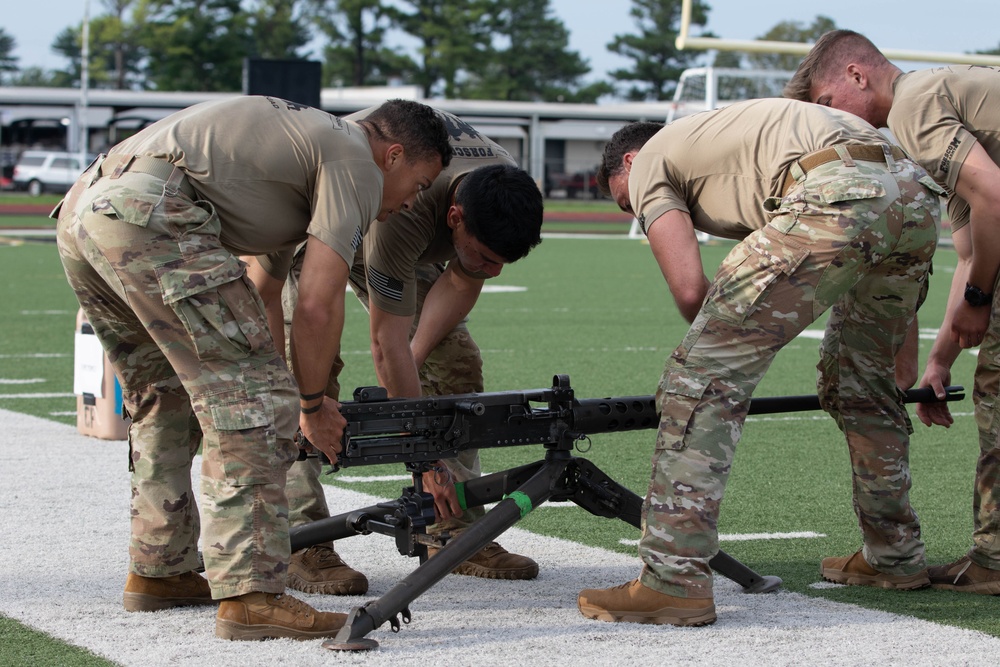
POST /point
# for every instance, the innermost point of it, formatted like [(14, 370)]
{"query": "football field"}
[(595, 309)]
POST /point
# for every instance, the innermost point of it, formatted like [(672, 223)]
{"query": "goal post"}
[(685, 41)]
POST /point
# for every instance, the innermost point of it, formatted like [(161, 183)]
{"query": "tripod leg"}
[(751, 582), (493, 487), (335, 527), (505, 514), (597, 493)]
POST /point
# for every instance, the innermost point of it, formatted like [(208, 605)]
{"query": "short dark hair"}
[(502, 207), (629, 138), (415, 126), (832, 52)]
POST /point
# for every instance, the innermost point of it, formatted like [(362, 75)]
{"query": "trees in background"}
[(356, 52), (790, 31), (657, 62), (115, 50), (528, 58), (8, 61), (452, 37), (476, 49), (499, 49)]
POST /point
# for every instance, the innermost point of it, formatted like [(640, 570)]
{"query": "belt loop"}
[(796, 171), (173, 184), (122, 167), (845, 156), (889, 160)]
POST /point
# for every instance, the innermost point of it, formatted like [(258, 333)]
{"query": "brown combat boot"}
[(854, 570), (495, 562), (965, 576), (633, 602), (320, 569), (154, 593), (270, 616)]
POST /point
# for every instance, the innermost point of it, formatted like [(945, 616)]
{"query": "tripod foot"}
[(357, 644), (764, 585)]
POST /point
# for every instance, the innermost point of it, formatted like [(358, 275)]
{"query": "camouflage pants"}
[(455, 366), (189, 341), (986, 492), (857, 239)]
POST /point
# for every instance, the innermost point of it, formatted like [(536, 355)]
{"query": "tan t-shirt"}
[(393, 248), (719, 166), (937, 116), (275, 171)]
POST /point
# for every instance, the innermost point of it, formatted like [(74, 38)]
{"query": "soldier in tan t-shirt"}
[(830, 217), (149, 238), (481, 212), (948, 120)]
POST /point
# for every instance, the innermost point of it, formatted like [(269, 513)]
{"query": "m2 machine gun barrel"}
[(411, 430)]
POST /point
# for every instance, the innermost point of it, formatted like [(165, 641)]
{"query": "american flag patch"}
[(387, 286)]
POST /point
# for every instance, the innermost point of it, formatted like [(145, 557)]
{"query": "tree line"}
[(462, 49)]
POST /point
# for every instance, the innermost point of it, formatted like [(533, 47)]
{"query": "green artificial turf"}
[(599, 311)]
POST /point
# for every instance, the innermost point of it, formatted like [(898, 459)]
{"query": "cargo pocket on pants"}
[(752, 267), (218, 309), (679, 394), (246, 441), (135, 208)]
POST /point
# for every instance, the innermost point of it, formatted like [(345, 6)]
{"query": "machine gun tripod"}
[(419, 432)]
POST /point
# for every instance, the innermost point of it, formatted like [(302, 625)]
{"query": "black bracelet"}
[(310, 410), (312, 397)]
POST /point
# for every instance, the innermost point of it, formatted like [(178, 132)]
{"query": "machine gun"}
[(418, 432)]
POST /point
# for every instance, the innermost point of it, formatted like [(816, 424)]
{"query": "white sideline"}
[(63, 558)]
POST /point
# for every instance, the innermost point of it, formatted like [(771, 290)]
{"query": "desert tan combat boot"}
[(320, 569), (633, 602), (854, 570), (495, 562), (154, 593), (270, 616), (965, 576)]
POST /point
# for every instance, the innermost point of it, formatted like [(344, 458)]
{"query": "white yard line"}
[(749, 537)]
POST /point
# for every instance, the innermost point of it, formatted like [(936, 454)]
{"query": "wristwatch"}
[(977, 297)]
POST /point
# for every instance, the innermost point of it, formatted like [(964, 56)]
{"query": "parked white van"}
[(48, 171)]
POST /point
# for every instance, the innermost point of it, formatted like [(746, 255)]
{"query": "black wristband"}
[(310, 410), (312, 397), (977, 297)]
